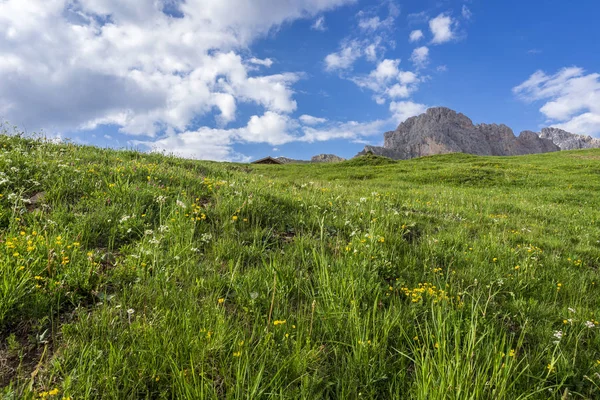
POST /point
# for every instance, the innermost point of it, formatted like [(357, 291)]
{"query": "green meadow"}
[(126, 275)]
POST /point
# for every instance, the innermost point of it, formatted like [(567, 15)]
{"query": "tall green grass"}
[(129, 275)]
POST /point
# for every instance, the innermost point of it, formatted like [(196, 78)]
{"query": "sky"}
[(238, 80)]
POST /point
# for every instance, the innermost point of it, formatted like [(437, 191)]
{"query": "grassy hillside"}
[(127, 275)]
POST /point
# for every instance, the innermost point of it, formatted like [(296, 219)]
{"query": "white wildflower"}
[(181, 204), (148, 232), (571, 310), (558, 335), (363, 199), (161, 199), (124, 218), (163, 228), (589, 324)]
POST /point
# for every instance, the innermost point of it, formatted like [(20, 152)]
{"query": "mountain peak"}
[(441, 130), (569, 141)]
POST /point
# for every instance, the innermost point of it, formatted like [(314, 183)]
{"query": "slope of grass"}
[(128, 275)]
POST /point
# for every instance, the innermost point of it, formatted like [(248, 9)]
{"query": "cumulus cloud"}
[(202, 144), (442, 29), (376, 36), (144, 66), (388, 81), (420, 56), (415, 36), (402, 110), (571, 98), (215, 144), (343, 59), (272, 128)]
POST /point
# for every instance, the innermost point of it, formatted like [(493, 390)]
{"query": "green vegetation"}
[(127, 275)]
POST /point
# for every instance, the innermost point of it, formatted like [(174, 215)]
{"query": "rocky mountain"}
[(326, 158), (441, 130), (569, 141)]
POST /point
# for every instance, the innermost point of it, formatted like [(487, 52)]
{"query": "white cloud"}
[(387, 69), (387, 80), (351, 130), (415, 36), (270, 128), (442, 68), (129, 63), (275, 129), (466, 12), (267, 62), (310, 120), (376, 35), (402, 110), (319, 24), (216, 144), (203, 144), (420, 56), (407, 77), (571, 98), (441, 28), (369, 23), (343, 59), (584, 124)]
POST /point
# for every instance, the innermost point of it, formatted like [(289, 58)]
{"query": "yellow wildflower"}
[(279, 322)]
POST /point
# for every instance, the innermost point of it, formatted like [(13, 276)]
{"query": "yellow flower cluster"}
[(423, 291), (197, 211), (50, 393), (212, 183)]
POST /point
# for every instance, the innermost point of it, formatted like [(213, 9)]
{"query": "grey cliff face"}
[(441, 130), (569, 141), (326, 158)]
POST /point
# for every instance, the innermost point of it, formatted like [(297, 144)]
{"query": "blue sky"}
[(238, 80)]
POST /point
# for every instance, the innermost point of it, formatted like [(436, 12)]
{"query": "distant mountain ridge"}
[(569, 141), (441, 130), (319, 158)]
